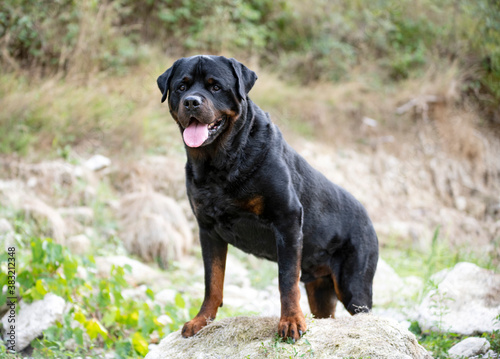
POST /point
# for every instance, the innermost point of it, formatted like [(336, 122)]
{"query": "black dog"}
[(249, 188)]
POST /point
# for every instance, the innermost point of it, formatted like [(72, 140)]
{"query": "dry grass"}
[(163, 174), (105, 113), (46, 219), (154, 227), (56, 182)]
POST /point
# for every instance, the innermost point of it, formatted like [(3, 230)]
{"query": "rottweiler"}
[(247, 187)]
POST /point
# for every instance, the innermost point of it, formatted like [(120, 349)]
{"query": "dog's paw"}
[(292, 327), (193, 326)]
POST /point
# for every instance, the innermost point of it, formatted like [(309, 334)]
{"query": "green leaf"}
[(80, 318), (123, 350), (70, 267), (94, 328), (37, 251), (146, 321), (55, 253), (140, 344), (78, 336), (150, 294), (179, 301), (26, 279), (40, 288), (131, 319), (110, 316), (128, 268)]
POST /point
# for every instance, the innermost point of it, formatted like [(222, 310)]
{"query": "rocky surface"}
[(466, 301), (469, 347), (407, 198), (361, 336), (34, 318)]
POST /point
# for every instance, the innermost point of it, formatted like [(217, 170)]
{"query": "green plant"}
[(436, 343), (494, 337), (439, 305), (63, 36), (279, 348), (99, 316)]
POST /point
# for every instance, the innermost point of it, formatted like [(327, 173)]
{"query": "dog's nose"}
[(192, 102)]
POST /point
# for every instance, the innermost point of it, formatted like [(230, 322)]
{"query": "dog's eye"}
[(215, 88), (182, 87)]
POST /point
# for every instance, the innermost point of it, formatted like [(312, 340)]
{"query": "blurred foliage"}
[(98, 316), (318, 40), (436, 343)]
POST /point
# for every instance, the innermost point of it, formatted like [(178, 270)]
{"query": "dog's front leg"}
[(214, 252), (288, 231)]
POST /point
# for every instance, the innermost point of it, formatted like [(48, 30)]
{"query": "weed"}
[(425, 263), (439, 343), (494, 337), (279, 348), (439, 305), (99, 315)]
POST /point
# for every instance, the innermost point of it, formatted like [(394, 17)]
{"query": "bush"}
[(318, 40), (100, 317), (62, 35)]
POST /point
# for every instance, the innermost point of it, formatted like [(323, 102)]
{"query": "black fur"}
[(249, 188)]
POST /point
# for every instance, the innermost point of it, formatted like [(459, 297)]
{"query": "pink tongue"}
[(195, 134)]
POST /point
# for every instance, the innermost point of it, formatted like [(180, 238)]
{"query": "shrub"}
[(99, 316)]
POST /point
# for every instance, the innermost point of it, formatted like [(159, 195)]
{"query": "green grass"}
[(408, 260), (436, 343)]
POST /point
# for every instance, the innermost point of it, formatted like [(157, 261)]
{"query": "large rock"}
[(361, 336), (33, 319), (466, 301)]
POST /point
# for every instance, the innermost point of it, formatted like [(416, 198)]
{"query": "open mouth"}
[(214, 126), (197, 133)]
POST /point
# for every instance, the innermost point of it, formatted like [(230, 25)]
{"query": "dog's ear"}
[(163, 80), (245, 78)]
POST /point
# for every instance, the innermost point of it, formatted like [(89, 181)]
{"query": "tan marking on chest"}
[(254, 204)]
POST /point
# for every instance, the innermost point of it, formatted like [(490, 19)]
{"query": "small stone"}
[(165, 296), (32, 182), (369, 122), (79, 244), (164, 319), (5, 226), (97, 162), (7, 234), (469, 347)]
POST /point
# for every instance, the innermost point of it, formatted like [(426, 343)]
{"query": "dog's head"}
[(205, 94)]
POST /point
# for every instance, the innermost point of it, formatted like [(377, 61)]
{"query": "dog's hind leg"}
[(321, 296), (353, 278)]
